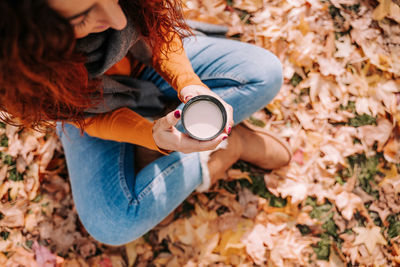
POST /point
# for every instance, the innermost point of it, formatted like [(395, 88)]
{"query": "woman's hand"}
[(194, 90), (167, 137)]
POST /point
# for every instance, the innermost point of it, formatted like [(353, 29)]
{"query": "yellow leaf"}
[(391, 151), (391, 177), (163, 259), (275, 108), (230, 243), (397, 117), (303, 26), (248, 5), (205, 215), (238, 174), (3, 259), (201, 232), (389, 174), (117, 261), (382, 10), (187, 236), (130, 249), (290, 209), (370, 237), (174, 262)]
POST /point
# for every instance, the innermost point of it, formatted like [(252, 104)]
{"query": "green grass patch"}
[(4, 140), (296, 79), (323, 248), (361, 120), (257, 186), (14, 175), (394, 226), (256, 122)]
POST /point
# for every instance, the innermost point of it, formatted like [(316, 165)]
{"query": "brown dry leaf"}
[(31, 181), (306, 119), (392, 177), (3, 173), (329, 66), (383, 213), (344, 47), (259, 238), (207, 256), (274, 108), (130, 249), (368, 134), (249, 202), (47, 151), (370, 237), (291, 246), (3, 259), (14, 145), (348, 203), (248, 5), (297, 190), (21, 164), (213, 7), (13, 214), (75, 262), (387, 8), (391, 151), (30, 144), (21, 257)]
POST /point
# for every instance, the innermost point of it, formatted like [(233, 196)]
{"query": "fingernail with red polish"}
[(188, 97), (229, 130), (223, 138), (177, 114)]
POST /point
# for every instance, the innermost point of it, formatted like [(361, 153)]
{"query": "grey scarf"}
[(105, 49)]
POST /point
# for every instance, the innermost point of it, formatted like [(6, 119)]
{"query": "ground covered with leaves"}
[(336, 204)]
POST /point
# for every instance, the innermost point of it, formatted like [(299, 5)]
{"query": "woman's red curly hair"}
[(43, 79)]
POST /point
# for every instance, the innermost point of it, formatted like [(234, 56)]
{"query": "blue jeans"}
[(115, 205)]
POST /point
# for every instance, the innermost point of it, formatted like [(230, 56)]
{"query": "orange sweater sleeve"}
[(125, 125), (175, 67)]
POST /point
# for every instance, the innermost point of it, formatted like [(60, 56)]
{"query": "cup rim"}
[(210, 99)]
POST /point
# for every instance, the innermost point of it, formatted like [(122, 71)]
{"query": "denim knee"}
[(266, 75), (113, 228)]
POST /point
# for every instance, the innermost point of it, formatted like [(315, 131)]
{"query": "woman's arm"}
[(175, 67), (124, 125)]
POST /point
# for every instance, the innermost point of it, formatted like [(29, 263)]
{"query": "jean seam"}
[(230, 91), (225, 77), (157, 179), (122, 176)]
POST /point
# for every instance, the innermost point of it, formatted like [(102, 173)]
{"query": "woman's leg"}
[(114, 205)]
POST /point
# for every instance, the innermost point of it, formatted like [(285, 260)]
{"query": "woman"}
[(98, 67)]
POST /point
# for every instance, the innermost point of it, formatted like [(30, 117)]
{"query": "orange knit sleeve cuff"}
[(123, 125)]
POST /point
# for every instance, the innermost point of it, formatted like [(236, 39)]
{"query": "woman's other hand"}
[(167, 137), (194, 90)]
